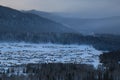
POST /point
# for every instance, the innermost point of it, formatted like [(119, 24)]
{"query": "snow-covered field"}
[(12, 54)]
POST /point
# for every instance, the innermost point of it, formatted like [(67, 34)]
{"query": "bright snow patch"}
[(24, 53)]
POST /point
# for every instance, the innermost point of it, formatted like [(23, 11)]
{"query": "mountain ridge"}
[(106, 25), (12, 20)]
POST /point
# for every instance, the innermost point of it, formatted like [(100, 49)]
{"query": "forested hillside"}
[(12, 20)]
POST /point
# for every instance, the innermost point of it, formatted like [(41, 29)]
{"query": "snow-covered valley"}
[(12, 54)]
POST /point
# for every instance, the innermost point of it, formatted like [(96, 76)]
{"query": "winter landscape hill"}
[(12, 20), (41, 27)]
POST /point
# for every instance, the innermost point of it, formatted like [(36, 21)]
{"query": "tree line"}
[(101, 42), (108, 70)]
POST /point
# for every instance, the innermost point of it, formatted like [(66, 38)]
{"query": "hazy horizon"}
[(76, 8)]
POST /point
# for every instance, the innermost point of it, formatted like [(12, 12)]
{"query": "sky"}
[(81, 8)]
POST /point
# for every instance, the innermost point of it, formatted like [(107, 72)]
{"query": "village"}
[(16, 54)]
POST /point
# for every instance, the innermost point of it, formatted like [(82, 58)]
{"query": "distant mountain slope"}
[(15, 21), (109, 25)]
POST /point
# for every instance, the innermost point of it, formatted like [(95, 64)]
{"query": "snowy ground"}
[(12, 54)]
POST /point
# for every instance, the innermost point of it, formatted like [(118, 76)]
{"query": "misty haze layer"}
[(107, 25), (75, 8)]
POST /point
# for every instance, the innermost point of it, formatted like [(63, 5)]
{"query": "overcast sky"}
[(82, 8)]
